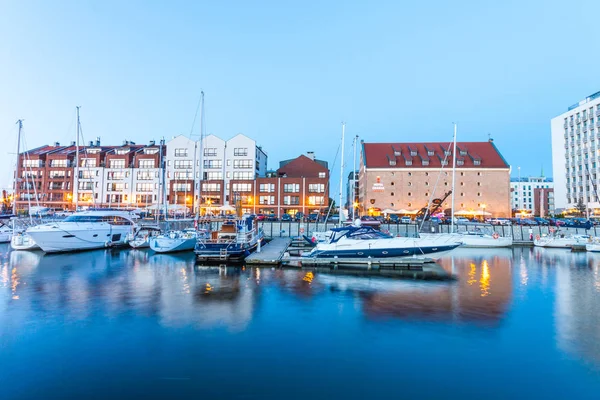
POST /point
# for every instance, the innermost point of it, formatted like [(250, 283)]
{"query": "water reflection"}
[(175, 292)]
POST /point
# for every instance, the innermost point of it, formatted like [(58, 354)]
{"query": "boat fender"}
[(496, 236), (107, 243), (537, 237), (552, 230)]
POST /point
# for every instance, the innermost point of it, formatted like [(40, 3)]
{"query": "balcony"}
[(585, 128), (598, 113), (578, 130), (598, 123), (566, 124), (578, 120), (571, 123), (585, 117)]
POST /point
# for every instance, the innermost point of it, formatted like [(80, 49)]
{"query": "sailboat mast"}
[(341, 175), (354, 179), (453, 180), (76, 178), (14, 207), (200, 157)]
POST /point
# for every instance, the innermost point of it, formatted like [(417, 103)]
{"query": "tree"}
[(580, 207)]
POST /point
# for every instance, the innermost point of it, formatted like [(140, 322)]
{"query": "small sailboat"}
[(593, 246), (175, 241), (142, 237)]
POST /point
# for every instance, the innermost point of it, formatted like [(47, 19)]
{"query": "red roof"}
[(301, 167), (431, 155)]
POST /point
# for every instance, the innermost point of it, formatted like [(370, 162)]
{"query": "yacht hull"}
[(70, 238), (23, 242), (431, 251), (471, 241), (169, 245)]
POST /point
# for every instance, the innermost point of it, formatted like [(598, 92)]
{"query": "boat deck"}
[(271, 253)]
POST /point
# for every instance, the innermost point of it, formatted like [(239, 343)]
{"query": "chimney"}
[(91, 143), (152, 143), (311, 155), (73, 143), (162, 142), (98, 141), (125, 142), (56, 144)]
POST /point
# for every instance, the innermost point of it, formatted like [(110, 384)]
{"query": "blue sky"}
[(287, 73)]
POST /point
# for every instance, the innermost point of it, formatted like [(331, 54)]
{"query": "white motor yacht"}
[(560, 240), (473, 239), (175, 241), (85, 230), (365, 242)]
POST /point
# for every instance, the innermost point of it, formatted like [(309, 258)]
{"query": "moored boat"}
[(175, 241), (364, 242), (23, 241), (6, 233), (473, 238), (560, 240), (233, 242), (86, 230), (142, 237)]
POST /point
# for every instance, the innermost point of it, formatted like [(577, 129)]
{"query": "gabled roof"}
[(301, 167), (479, 155)]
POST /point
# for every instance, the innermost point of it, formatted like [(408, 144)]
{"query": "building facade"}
[(523, 195), (407, 176), (576, 154)]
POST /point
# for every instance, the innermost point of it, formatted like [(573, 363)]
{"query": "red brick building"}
[(299, 185), (543, 202)]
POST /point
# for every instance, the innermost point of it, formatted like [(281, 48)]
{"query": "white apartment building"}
[(576, 153), (522, 195), (220, 162)]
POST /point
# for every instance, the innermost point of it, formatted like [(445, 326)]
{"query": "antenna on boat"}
[(341, 175), (76, 178), (453, 180)]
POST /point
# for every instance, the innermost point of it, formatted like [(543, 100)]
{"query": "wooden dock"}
[(271, 253)]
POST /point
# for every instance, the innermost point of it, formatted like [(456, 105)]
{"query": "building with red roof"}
[(407, 176)]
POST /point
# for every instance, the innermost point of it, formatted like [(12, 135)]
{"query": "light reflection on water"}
[(538, 308)]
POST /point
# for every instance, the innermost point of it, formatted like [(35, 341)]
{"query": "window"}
[(181, 152), (144, 187), (145, 175), (182, 187), (316, 200), (115, 187), (32, 163), (409, 183), (183, 175), (266, 187), (266, 200), (291, 200), (316, 188), (57, 174), (322, 174), (210, 151), (240, 151), (84, 186), (214, 176), (246, 164), (147, 164), (115, 175), (392, 193), (59, 163), (212, 164), (241, 187), (211, 187), (116, 163), (242, 176), (479, 194), (88, 162), (184, 164), (86, 174), (409, 193), (477, 162), (410, 174), (478, 183), (291, 187)]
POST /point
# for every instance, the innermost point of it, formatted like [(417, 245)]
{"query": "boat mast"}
[(354, 183), (341, 175), (14, 205), (76, 177), (199, 180), (453, 180)]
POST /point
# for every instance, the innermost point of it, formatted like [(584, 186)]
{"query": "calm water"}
[(521, 323)]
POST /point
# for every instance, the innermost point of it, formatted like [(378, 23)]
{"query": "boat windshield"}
[(111, 219), (364, 233)]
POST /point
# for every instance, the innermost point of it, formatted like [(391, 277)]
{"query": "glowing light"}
[(484, 282)]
